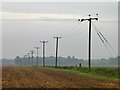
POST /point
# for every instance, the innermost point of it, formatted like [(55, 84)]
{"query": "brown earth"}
[(26, 77)]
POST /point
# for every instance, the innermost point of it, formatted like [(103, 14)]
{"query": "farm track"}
[(26, 77)]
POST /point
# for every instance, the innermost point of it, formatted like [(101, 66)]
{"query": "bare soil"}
[(26, 77)]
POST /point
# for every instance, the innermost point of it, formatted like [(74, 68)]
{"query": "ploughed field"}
[(28, 77)]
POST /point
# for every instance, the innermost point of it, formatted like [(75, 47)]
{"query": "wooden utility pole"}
[(37, 55), (57, 38), (28, 58), (89, 46), (24, 58), (43, 42), (32, 56)]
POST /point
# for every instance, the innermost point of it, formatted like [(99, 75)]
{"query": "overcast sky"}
[(24, 24)]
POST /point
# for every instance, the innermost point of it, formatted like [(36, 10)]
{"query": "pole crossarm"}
[(57, 36), (37, 47), (88, 19), (42, 41)]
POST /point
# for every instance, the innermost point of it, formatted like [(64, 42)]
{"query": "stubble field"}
[(28, 77)]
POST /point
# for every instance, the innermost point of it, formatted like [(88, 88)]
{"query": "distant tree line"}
[(69, 61)]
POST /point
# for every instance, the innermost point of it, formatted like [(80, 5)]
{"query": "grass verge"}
[(96, 72)]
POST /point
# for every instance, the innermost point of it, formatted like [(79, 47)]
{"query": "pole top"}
[(36, 47), (43, 41), (32, 51), (57, 36)]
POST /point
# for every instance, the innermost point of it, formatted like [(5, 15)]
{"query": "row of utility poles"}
[(37, 57), (57, 39)]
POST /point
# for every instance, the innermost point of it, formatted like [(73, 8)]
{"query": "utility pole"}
[(37, 55), (28, 58), (24, 58), (43, 52), (23, 61), (32, 56), (89, 46), (57, 38)]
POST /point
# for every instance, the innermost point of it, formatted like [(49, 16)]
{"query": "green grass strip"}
[(96, 72)]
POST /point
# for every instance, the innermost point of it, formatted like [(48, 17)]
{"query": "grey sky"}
[(23, 28)]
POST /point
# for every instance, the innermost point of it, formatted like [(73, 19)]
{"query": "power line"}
[(74, 31), (43, 42), (57, 38), (78, 34), (55, 19), (102, 41), (67, 33), (104, 38)]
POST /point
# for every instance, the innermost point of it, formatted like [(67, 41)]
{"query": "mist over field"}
[(62, 61)]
